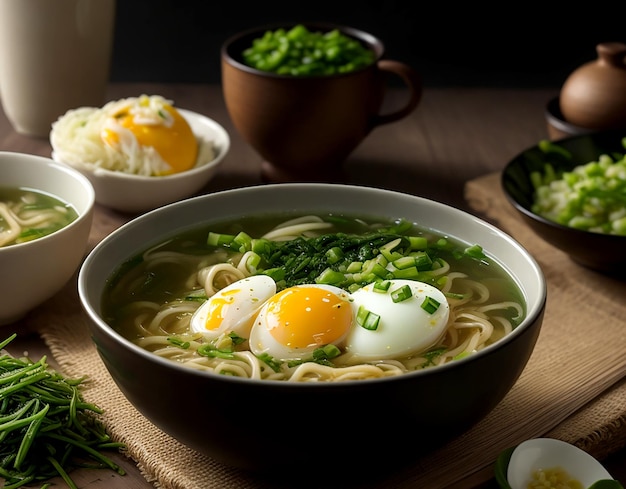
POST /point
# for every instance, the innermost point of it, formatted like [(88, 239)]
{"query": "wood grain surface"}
[(455, 135)]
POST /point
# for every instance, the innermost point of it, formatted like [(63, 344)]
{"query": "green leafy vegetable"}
[(46, 428), (301, 52), (606, 484), (502, 466), (349, 261)]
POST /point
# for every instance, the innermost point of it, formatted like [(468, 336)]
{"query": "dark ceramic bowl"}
[(275, 425), (602, 252)]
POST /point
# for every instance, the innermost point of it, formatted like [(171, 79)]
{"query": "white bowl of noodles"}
[(131, 174), (161, 312), (46, 212)]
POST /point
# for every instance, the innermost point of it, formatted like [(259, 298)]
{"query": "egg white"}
[(404, 327), (233, 308)]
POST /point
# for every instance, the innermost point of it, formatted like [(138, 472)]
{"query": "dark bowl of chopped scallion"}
[(572, 193), (305, 95)]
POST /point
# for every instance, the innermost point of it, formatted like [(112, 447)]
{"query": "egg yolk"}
[(218, 309), (302, 317), (175, 142)]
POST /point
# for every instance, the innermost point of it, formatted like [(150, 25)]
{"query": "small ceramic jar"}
[(594, 95)]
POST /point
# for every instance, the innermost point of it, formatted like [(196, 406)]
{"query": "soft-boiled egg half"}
[(379, 321), (145, 136), (233, 308), (151, 125), (300, 319), (408, 317)]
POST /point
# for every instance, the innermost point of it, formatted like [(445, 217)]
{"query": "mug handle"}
[(413, 82)]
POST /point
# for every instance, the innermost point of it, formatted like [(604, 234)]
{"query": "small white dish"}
[(548, 453), (131, 193)]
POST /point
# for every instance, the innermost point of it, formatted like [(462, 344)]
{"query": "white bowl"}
[(135, 193), (545, 453), (34, 271)]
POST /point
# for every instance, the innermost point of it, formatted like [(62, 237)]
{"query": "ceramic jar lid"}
[(594, 95)]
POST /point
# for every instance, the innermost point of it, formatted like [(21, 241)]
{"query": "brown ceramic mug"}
[(305, 127)]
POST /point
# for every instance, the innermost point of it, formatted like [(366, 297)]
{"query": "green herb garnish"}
[(46, 427)]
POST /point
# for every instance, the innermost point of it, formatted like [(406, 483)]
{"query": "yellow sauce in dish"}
[(553, 478)]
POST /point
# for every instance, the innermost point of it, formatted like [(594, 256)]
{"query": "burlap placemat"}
[(573, 387)]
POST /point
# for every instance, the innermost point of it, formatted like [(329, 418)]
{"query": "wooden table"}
[(455, 135)]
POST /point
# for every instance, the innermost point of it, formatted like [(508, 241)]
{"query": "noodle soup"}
[(312, 298), (27, 214)]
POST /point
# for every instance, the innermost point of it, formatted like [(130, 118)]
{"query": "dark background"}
[(506, 44)]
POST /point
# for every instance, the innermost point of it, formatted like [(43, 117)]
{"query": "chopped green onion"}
[(277, 274), (367, 319), (218, 239), (432, 355), (536, 179), (475, 251), (404, 262), (400, 226), (330, 276), (381, 286), (244, 241), (353, 287), (178, 342), (334, 255), (589, 196), (260, 246), (376, 267), (198, 295), (548, 146), (453, 295), (401, 294), (210, 351), (354, 267), (463, 354), (387, 250), (270, 361), (411, 273), (430, 305), (236, 339), (326, 352), (303, 52), (423, 261), (418, 242), (442, 243), (379, 271), (253, 262)]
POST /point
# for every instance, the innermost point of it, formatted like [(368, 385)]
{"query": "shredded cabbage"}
[(76, 138)]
